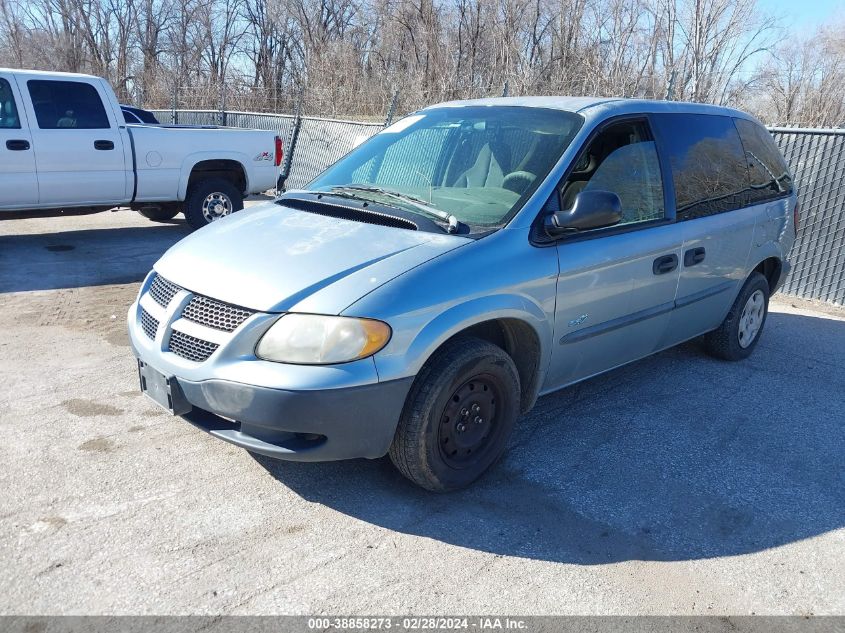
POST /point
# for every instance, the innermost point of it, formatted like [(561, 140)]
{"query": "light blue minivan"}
[(421, 293)]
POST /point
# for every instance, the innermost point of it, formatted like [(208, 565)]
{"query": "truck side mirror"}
[(592, 209)]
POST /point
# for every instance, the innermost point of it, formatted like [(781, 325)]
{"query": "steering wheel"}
[(518, 181)]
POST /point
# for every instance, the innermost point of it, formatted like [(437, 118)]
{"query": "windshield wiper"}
[(453, 224)]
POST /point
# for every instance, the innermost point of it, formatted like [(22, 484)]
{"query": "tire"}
[(160, 214), (210, 199), (739, 333), (430, 447)]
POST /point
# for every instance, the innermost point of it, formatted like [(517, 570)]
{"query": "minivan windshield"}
[(476, 165)]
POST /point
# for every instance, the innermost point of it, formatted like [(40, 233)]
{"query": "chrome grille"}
[(215, 314), (163, 291), (190, 347), (149, 324)]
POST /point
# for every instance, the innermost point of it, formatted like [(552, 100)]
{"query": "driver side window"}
[(622, 159)]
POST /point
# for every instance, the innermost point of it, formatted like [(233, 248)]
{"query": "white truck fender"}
[(191, 160)]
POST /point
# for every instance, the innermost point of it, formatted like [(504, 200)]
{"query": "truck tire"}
[(738, 334), (210, 199), (159, 214), (458, 416)]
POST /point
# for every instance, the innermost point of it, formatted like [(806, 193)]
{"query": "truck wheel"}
[(738, 334), (211, 199), (458, 415), (159, 214)]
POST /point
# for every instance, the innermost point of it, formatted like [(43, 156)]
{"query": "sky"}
[(804, 13)]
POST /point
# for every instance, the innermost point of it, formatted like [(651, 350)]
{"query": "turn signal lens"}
[(313, 339)]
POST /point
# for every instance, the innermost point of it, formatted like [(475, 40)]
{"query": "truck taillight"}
[(279, 151), (795, 219)]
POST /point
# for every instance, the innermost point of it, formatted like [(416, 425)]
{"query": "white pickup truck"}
[(64, 143)]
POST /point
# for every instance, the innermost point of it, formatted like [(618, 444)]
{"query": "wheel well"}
[(522, 344), (771, 269), (230, 170)]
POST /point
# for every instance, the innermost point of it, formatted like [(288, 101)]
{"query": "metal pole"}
[(174, 113), (391, 110), (506, 88), (291, 145)]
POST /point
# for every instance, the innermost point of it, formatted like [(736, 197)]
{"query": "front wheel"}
[(458, 415), (211, 199), (738, 334)]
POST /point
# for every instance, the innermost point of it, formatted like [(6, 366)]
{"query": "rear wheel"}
[(211, 199), (458, 416), (738, 334)]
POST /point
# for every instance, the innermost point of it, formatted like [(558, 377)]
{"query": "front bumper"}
[(293, 412), (299, 425)]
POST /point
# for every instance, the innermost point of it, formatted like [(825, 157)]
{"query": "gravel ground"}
[(676, 485)]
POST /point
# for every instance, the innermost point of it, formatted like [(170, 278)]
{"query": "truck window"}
[(707, 161), (67, 105), (767, 170), (8, 110)]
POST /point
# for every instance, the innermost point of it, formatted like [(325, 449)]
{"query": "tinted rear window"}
[(708, 163), (767, 170), (67, 105)]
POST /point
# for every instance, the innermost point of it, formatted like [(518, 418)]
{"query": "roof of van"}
[(592, 107), (46, 73)]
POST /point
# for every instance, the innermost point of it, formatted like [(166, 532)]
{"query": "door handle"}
[(17, 145), (103, 145), (665, 264), (694, 256)]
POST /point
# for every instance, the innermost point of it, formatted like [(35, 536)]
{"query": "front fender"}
[(417, 336), (191, 160)]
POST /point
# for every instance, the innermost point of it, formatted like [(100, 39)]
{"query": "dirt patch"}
[(98, 445), (89, 408), (136, 428)]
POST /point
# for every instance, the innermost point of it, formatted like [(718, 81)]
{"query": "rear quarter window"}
[(767, 170), (707, 161)]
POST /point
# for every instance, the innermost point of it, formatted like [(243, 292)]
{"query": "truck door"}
[(18, 180), (78, 142)]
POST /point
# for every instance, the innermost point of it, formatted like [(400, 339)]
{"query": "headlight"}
[(312, 339)]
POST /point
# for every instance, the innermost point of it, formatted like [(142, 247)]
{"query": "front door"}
[(18, 179), (616, 286), (78, 144)]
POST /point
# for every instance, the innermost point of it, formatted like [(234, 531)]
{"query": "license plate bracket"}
[(162, 390)]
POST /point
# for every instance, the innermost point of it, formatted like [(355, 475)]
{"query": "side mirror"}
[(591, 210)]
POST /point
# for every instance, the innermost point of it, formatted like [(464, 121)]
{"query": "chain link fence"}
[(816, 158)]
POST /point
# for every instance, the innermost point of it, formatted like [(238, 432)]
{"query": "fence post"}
[(391, 110), (291, 144), (222, 103), (174, 113), (506, 88)]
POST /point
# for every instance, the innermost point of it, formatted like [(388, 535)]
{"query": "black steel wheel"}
[(469, 421), (458, 416)]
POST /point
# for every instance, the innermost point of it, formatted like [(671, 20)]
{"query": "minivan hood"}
[(276, 259)]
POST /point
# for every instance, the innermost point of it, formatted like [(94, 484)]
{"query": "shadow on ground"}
[(89, 257), (675, 457)]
